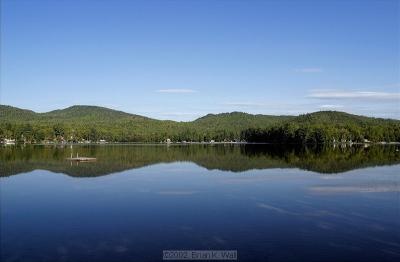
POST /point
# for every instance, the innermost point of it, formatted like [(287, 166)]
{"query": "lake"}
[(270, 203)]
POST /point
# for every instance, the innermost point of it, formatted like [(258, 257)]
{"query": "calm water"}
[(266, 202)]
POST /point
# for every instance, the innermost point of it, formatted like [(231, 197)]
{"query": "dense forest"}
[(92, 123), (329, 126)]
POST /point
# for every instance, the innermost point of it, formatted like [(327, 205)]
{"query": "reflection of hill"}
[(111, 159), (331, 160)]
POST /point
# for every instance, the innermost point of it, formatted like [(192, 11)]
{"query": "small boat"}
[(81, 159)]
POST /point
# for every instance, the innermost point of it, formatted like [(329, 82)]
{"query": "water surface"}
[(267, 202)]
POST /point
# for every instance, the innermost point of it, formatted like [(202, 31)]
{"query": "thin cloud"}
[(179, 114), (331, 106), (176, 91), (309, 70), (245, 104), (333, 94)]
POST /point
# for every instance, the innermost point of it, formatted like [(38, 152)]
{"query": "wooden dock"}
[(81, 159)]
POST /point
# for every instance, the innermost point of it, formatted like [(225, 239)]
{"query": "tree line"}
[(90, 123), (291, 133), (59, 132)]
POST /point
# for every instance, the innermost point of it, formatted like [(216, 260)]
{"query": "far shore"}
[(197, 143)]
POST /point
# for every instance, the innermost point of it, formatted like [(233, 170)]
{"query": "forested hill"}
[(93, 123), (73, 113), (239, 119), (337, 117), (327, 126), (15, 115)]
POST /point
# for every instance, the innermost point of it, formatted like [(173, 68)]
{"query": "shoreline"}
[(198, 143)]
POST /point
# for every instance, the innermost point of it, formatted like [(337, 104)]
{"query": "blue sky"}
[(183, 59)]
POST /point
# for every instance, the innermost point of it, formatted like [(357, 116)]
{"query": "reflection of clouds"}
[(391, 252), (321, 213), (211, 240), (325, 214), (377, 227), (242, 180), (186, 228), (325, 226), (255, 176), (276, 209), (385, 242), (356, 189), (304, 203), (120, 249), (329, 177), (177, 193), (345, 246), (391, 248), (360, 215), (219, 240), (182, 169)]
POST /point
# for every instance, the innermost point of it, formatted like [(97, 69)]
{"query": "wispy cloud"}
[(336, 94), (331, 106), (176, 91), (245, 104), (309, 70), (179, 114)]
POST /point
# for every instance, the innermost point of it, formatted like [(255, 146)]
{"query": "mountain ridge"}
[(88, 108), (94, 123)]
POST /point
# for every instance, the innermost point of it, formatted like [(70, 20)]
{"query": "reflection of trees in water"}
[(236, 158), (328, 159)]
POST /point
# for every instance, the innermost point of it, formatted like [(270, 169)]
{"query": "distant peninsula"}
[(91, 124)]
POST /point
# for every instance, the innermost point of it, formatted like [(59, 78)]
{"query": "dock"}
[(81, 159)]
